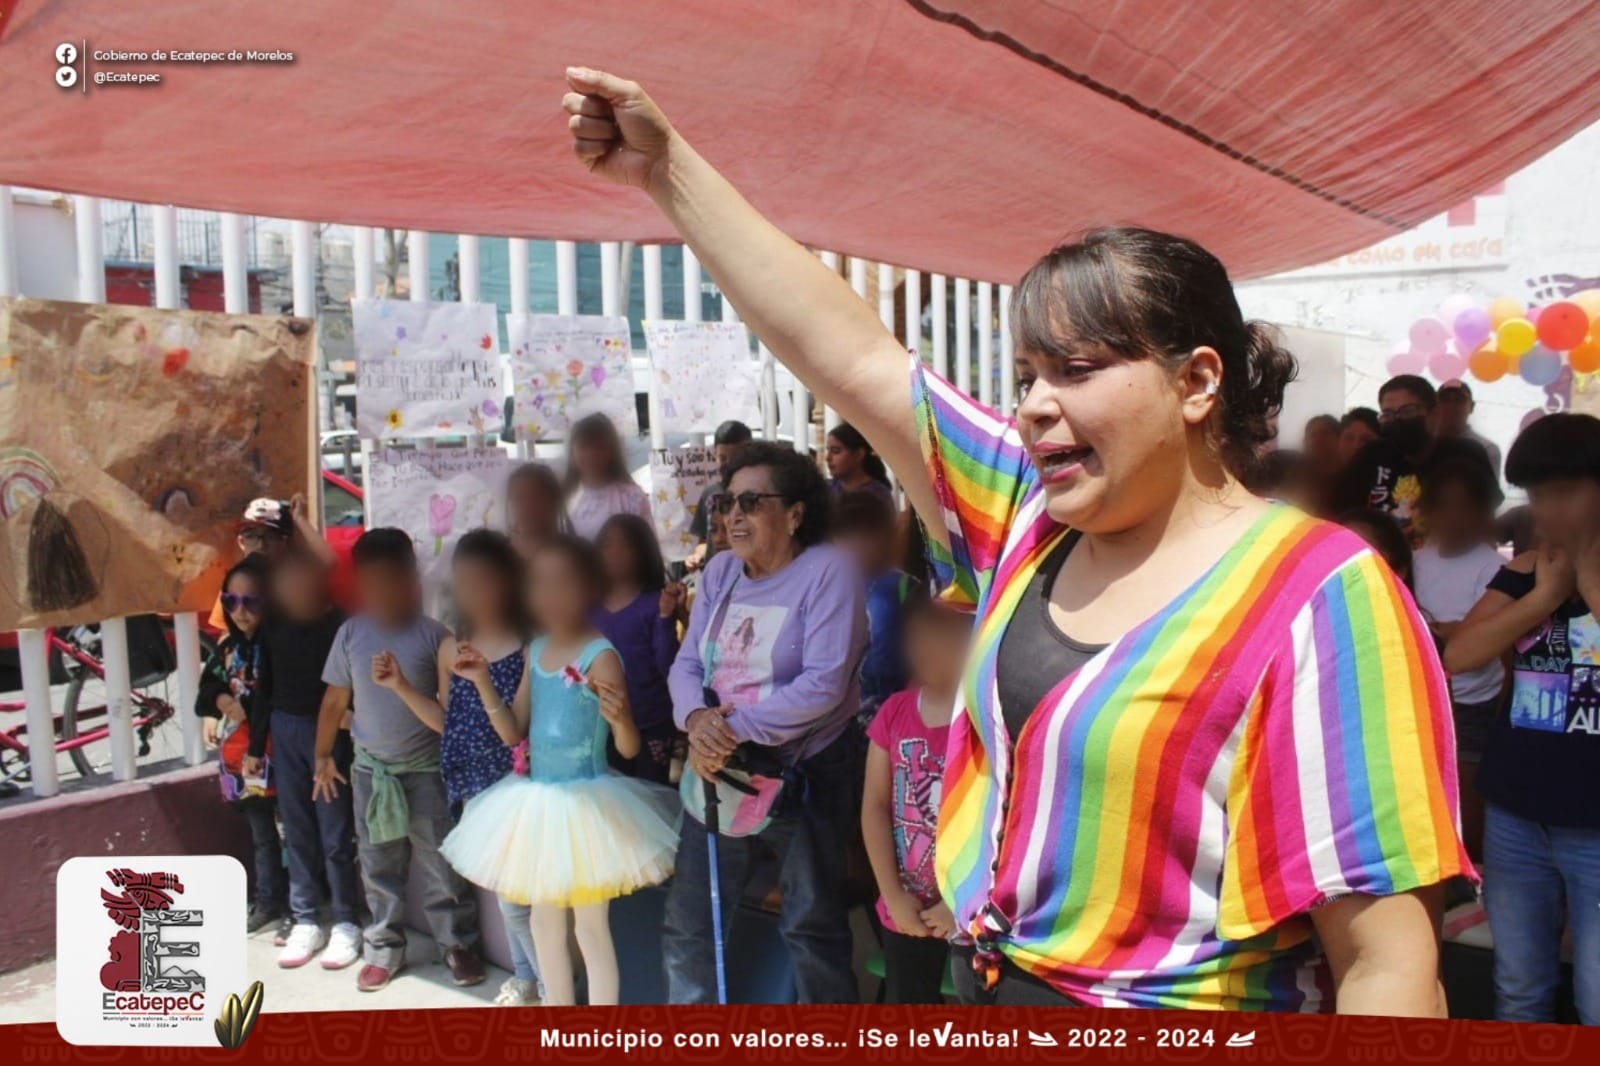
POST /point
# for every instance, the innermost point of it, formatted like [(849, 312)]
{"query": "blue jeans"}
[(1538, 879), (520, 935), (319, 834), (809, 839), (270, 886)]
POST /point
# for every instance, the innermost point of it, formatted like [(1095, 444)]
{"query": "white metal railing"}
[(786, 404)]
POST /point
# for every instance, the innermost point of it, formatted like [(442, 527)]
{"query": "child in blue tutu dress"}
[(571, 834)]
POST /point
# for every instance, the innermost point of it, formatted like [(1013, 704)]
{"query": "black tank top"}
[(1034, 654)]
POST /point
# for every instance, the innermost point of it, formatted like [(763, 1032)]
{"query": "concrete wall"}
[(1546, 225), (177, 813)]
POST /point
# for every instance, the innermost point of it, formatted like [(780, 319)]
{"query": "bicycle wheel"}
[(84, 711)]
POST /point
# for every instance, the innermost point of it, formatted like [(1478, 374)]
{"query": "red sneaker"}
[(372, 978)]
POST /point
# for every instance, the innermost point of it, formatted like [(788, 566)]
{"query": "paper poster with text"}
[(678, 477), (436, 495), (426, 369), (566, 367), (704, 374)]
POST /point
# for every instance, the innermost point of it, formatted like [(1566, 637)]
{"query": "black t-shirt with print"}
[(1543, 754), (1383, 477)]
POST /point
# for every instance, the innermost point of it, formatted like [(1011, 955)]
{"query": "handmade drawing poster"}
[(678, 477), (426, 369), (436, 495), (131, 440), (704, 374), (565, 367)]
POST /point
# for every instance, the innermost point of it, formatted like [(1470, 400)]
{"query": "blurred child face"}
[(936, 647), (480, 593), (241, 598), (300, 587), (390, 592), (1566, 511), (532, 514), (560, 597), (1354, 437), (872, 549), (717, 533), (593, 459), (617, 559), (1453, 519)]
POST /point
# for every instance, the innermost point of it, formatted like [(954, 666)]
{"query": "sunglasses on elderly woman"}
[(747, 501), (232, 602)]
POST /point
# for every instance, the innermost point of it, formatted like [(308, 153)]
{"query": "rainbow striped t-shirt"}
[(1277, 736)]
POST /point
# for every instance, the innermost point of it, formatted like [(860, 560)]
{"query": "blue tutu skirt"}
[(569, 844)]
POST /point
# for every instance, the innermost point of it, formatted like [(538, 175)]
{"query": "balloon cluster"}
[(1503, 338)]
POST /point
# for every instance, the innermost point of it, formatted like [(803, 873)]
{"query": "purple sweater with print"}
[(785, 649)]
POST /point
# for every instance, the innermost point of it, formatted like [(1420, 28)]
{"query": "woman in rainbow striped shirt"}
[(1203, 756)]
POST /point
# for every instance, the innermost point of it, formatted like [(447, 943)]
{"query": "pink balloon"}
[(1454, 307), (1406, 361), (1428, 337), (1448, 364), (1472, 327)]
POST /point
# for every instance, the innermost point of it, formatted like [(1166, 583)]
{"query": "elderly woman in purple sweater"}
[(774, 643)]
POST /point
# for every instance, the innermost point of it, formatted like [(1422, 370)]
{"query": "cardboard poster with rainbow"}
[(131, 440)]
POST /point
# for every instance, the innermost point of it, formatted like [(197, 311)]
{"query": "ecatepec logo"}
[(147, 948)]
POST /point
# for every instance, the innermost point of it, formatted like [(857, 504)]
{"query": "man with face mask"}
[(1386, 473)]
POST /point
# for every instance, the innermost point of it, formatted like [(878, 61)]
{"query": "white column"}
[(886, 296), (235, 275), (91, 253), (654, 311), (8, 244), (769, 394), (467, 268), (32, 646), (914, 311), (303, 266), (113, 631), (691, 286), (517, 253), (365, 267), (800, 410), (417, 264), (937, 311), (1008, 368), (985, 326), (566, 278), (610, 277), (830, 417), (963, 367), (858, 276), (186, 624)]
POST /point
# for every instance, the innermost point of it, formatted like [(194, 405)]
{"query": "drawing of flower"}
[(491, 409), (574, 368), (395, 419), (441, 519), (486, 343), (597, 374), (399, 333)]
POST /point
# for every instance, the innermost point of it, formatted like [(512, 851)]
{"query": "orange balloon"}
[(1487, 364), (1585, 358), (1502, 309)]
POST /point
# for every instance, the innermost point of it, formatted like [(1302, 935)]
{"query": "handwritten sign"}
[(425, 369), (703, 373), (436, 495), (678, 478), (564, 367)]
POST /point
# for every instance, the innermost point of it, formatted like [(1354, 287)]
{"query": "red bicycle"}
[(75, 661)]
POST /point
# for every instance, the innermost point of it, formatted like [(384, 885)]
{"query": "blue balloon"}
[(1539, 367)]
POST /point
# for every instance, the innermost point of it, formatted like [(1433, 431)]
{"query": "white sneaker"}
[(305, 940), (344, 946), (517, 992)]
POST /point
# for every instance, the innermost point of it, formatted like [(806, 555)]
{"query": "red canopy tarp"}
[(962, 136)]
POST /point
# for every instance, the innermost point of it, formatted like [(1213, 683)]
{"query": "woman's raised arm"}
[(804, 312)]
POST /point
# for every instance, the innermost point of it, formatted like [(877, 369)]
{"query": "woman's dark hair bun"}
[(1252, 400)]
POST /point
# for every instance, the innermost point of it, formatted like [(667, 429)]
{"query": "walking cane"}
[(712, 826)]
